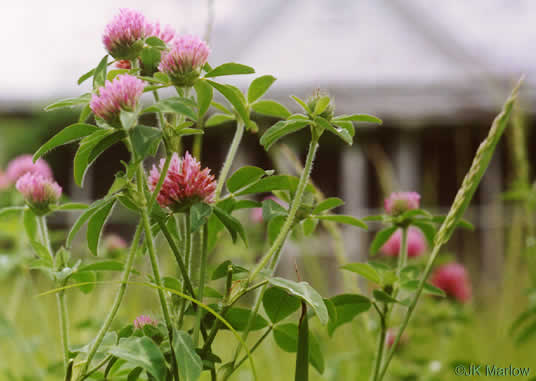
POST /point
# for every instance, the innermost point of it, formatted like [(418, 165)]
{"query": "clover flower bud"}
[(38, 192), (184, 61), (24, 164), (123, 36), (144, 320), (454, 280), (399, 202)]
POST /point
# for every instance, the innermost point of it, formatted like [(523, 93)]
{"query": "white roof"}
[(403, 58)]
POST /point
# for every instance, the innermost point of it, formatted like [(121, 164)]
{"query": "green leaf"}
[(347, 307), (174, 104), (413, 285), (155, 42), (239, 318), (105, 143), (365, 270), (348, 126), (231, 93), (199, 214), (85, 76), (11, 211), (259, 86), (270, 209), (128, 119), (271, 108), (244, 177), (81, 158), (270, 184), (230, 68), (305, 292), (217, 119), (280, 129), (231, 224), (274, 227), (88, 277), (70, 206), (142, 352), (69, 102), (150, 58), (340, 132), (309, 225), (95, 225), (321, 105), (278, 304), (428, 230), (302, 352), (358, 118), (204, 96), (344, 219), (328, 204), (114, 73), (381, 237), (301, 103), (102, 266), (30, 224), (221, 270), (145, 141), (188, 361), (286, 337), (382, 296), (83, 218), (100, 73)]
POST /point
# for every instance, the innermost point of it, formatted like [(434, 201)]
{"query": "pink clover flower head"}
[(256, 213), (38, 191), (400, 202), (123, 93), (123, 36), (184, 61), (454, 280), (416, 243), (166, 33), (144, 320), (5, 182), (114, 242), (185, 183), (24, 164)]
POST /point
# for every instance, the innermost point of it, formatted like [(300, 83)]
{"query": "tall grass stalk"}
[(461, 201)]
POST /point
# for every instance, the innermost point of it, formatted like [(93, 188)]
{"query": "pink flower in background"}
[(454, 280), (123, 92), (256, 213), (184, 61), (5, 182), (38, 190), (114, 242), (416, 243), (166, 34), (400, 202), (24, 164), (123, 35), (184, 184), (142, 321), (391, 336)]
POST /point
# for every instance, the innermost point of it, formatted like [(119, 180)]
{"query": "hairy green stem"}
[(154, 264), (60, 296), (381, 343), (202, 275), (187, 254), (274, 250), (117, 301), (229, 159)]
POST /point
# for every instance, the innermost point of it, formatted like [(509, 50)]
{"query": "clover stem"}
[(229, 159), (202, 275)]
